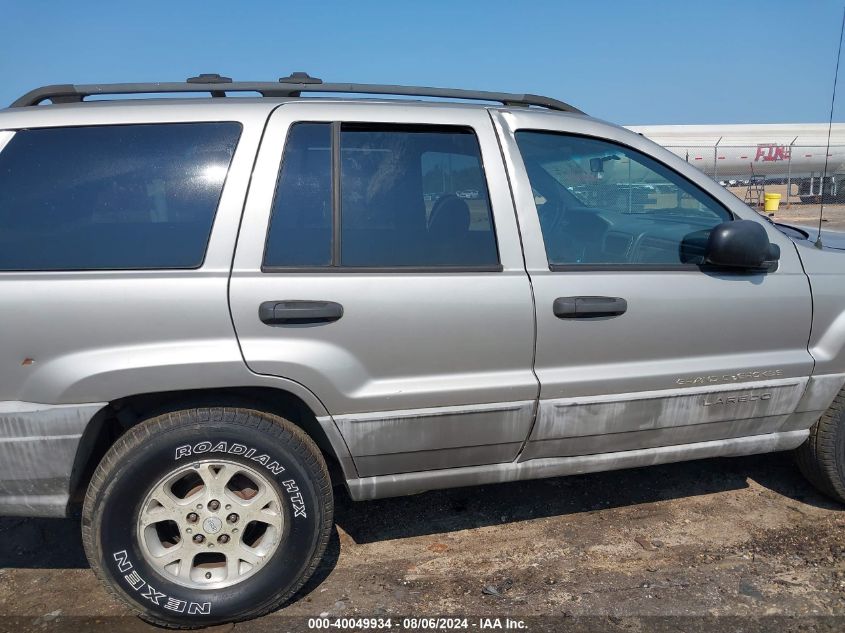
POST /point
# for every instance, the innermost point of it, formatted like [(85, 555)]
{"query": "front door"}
[(379, 265), (638, 344)]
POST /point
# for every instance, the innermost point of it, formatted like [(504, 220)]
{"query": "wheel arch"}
[(121, 414)]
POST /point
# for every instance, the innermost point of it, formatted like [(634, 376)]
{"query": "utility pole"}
[(789, 173), (716, 159)]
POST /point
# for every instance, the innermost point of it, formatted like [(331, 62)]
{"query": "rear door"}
[(670, 352), (379, 265)]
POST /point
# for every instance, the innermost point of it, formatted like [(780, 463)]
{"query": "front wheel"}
[(205, 516), (822, 457)]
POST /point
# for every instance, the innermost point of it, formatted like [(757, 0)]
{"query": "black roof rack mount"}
[(291, 86)]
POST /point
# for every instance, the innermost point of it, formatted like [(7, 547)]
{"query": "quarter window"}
[(602, 203), (408, 196), (112, 197), (301, 225)]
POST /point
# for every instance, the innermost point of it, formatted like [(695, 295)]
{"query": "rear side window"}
[(405, 196), (301, 225), (112, 197)]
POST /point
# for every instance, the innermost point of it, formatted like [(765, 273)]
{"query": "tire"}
[(220, 465), (822, 457)]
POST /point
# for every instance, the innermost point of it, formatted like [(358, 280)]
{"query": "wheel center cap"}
[(212, 525)]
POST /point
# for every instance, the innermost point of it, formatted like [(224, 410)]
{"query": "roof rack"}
[(291, 86)]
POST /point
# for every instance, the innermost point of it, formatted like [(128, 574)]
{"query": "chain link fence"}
[(794, 171)]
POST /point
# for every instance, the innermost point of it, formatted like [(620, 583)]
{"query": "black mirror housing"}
[(741, 244)]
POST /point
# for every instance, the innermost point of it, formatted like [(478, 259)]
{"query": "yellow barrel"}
[(772, 201)]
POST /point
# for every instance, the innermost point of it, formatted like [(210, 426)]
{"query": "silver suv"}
[(209, 304)]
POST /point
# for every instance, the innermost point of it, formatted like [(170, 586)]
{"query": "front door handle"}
[(294, 312), (587, 307)]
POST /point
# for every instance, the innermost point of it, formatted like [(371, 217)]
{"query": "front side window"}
[(112, 196), (407, 196), (601, 203)]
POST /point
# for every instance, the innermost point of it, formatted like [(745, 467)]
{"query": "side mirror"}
[(741, 244)]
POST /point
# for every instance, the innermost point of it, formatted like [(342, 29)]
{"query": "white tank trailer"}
[(791, 154)]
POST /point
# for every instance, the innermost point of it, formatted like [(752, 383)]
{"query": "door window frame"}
[(624, 267), (336, 265)]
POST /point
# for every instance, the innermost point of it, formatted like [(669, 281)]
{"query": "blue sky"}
[(633, 62)]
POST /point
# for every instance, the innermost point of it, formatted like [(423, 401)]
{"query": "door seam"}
[(536, 406)]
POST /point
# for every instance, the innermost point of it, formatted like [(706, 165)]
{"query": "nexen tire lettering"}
[(148, 592), (233, 449)]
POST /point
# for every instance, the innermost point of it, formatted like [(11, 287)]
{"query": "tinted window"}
[(602, 203), (112, 197), (414, 196), (409, 196), (301, 225)]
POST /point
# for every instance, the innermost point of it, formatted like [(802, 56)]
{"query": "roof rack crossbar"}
[(218, 86)]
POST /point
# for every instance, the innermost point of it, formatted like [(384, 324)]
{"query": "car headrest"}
[(450, 215)]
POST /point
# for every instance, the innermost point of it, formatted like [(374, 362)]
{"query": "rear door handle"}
[(293, 312), (586, 307)]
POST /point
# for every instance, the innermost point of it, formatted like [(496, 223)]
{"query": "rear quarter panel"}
[(95, 336)]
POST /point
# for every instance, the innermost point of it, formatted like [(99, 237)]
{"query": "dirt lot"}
[(794, 212), (808, 215), (729, 544)]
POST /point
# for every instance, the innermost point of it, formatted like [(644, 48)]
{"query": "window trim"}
[(126, 269), (337, 197), (638, 268), (336, 128), (616, 267), (493, 268)]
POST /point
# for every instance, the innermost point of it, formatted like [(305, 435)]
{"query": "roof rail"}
[(291, 86)]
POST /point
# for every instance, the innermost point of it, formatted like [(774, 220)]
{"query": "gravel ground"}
[(726, 544), (807, 215)]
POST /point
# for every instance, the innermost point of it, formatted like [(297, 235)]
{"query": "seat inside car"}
[(449, 218)]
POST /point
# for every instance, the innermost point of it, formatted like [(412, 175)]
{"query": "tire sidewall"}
[(838, 425), (119, 504)]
